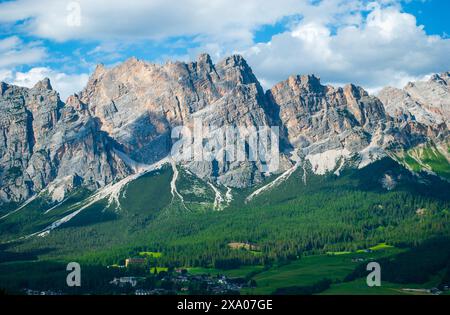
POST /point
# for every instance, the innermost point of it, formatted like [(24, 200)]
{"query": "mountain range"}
[(118, 128), (95, 180)]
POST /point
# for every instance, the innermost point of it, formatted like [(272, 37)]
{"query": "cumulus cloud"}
[(384, 47), (143, 19), (14, 52), (370, 43), (65, 84)]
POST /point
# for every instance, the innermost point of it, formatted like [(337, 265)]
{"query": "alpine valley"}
[(91, 180)]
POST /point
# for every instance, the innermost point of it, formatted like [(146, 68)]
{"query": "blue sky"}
[(433, 14), (370, 43)]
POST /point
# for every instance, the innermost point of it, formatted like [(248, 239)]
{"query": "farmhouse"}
[(247, 246), (129, 262)]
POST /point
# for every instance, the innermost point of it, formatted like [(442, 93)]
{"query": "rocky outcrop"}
[(313, 113), (425, 103), (43, 141), (330, 124)]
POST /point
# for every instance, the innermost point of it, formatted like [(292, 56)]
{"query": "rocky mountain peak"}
[(98, 71), (443, 78), (75, 102), (43, 84), (236, 61), (427, 102), (235, 69), (205, 59), (355, 91), (203, 66), (3, 87), (336, 118), (311, 82), (299, 84), (131, 61)]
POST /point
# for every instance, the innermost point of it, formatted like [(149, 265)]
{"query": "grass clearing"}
[(151, 254), (312, 269), (232, 273), (158, 269)]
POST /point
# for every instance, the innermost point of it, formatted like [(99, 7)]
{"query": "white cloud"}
[(65, 84), (229, 20), (370, 43), (386, 47), (13, 52)]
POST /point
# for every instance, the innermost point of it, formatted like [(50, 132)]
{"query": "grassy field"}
[(359, 287), (151, 254), (380, 246), (158, 269), (427, 157), (312, 269), (303, 272), (232, 273)]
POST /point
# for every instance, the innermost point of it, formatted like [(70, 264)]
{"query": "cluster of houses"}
[(151, 292), (217, 284), (182, 281), (212, 284), (433, 291), (124, 281), (46, 292), (223, 285)]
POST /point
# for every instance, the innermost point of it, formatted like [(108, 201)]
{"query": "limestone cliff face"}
[(43, 141), (125, 116), (315, 113), (138, 104), (423, 106), (421, 110)]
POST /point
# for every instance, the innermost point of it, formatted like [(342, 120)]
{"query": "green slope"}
[(327, 214), (427, 157)]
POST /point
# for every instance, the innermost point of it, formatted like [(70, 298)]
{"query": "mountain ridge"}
[(124, 116)]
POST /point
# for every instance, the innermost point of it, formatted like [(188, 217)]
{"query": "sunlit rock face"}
[(123, 120), (425, 105), (43, 140), (312, 112), (138, 104)]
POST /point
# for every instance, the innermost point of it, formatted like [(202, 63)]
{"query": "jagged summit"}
[(205, 59), (427, 102), (442, 78), (308, 82), (44, 84)]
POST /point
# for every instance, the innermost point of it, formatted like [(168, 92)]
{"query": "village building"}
[(135, 262)]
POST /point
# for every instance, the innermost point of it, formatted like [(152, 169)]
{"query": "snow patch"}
[(228, 195), (326, 162), (173, 184), (218, 200)]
